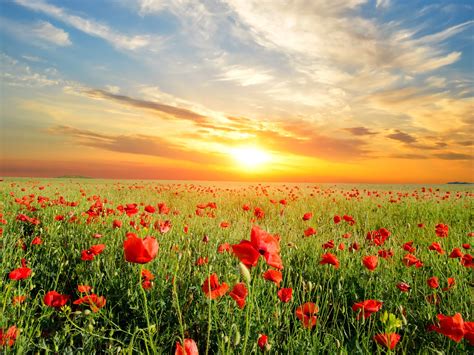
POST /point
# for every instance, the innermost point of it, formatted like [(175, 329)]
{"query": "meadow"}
[(101, 266)]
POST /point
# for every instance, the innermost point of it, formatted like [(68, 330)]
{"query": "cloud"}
[(39, 33), (47, 32), (88, 26), (408, 156), (176, 112), (360, 131), (135, 144), (15, 73), (382, 4), (453, 156), (245, 76), (402, 137)]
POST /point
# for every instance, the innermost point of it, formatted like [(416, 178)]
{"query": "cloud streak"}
[(91, 27)]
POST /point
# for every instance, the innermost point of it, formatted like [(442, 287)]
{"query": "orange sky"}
[(353, 92)]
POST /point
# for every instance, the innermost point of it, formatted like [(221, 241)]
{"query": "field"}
[(394, 245)]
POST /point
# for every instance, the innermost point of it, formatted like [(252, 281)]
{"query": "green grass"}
[(180, 309)]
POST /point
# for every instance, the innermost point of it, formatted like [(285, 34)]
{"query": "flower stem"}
[(150, 336)]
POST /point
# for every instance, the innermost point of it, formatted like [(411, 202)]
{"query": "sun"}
[(250, 157)]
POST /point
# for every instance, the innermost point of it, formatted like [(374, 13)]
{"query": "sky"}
[(377, 91)]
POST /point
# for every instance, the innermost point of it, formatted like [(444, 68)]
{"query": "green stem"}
[(247, 318), (150, 336), (209, 320), (178, 309)]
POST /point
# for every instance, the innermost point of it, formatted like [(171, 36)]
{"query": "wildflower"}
[(212, 288), (306, 313), (139, 250)]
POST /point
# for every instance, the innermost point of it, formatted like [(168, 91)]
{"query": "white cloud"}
[(47, 32), (112, 89), (150, 6), (15, 73), (39, 33), (245, 76), (88, 26), (382, 4)]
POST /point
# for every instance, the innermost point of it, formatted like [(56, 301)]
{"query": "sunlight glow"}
[(250, 157)]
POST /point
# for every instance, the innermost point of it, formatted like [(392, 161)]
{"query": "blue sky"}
[(336, 86)]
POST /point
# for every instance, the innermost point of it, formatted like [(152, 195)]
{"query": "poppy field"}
[(96, 266)]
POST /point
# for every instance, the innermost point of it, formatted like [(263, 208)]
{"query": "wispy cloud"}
[(360, 131), (39, 33), (176, 112), (245, 76), (15, 73), (402, 137), (88, 26)]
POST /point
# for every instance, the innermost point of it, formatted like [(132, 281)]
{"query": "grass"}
[(177, 307)]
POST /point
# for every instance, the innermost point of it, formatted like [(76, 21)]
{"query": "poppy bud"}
[(237, 338), (245, 272)]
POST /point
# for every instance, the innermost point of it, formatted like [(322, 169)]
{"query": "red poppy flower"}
[(354, 247), (385, 253), (8, 337), (341, 246), (378, 237), (55, 299), (349, 219), (410, 260), (140, 251), (337, 219), (92, 252), (163, 226), (388, 340), (261, 243), (223, 248), (437, 247), (408, 246), (246, 207), (20, 273), (239, 293), (262, 342), (466, 246), (404, 287), (469, 332), (117, 224), (466, 260), (451, 283), (307, 216), (259, 213), (94, 301), (36, 241), (150, 209), (433, 282), (329, 258), (285, 294), (309, 232), (328, 245), (84, 288), (441, 230), (452, 327), (189, 348), (306, 313), (273, 276), (212, 289), (147, 278), (224, 225), (367, 308), (370, 262), (201, 261)]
